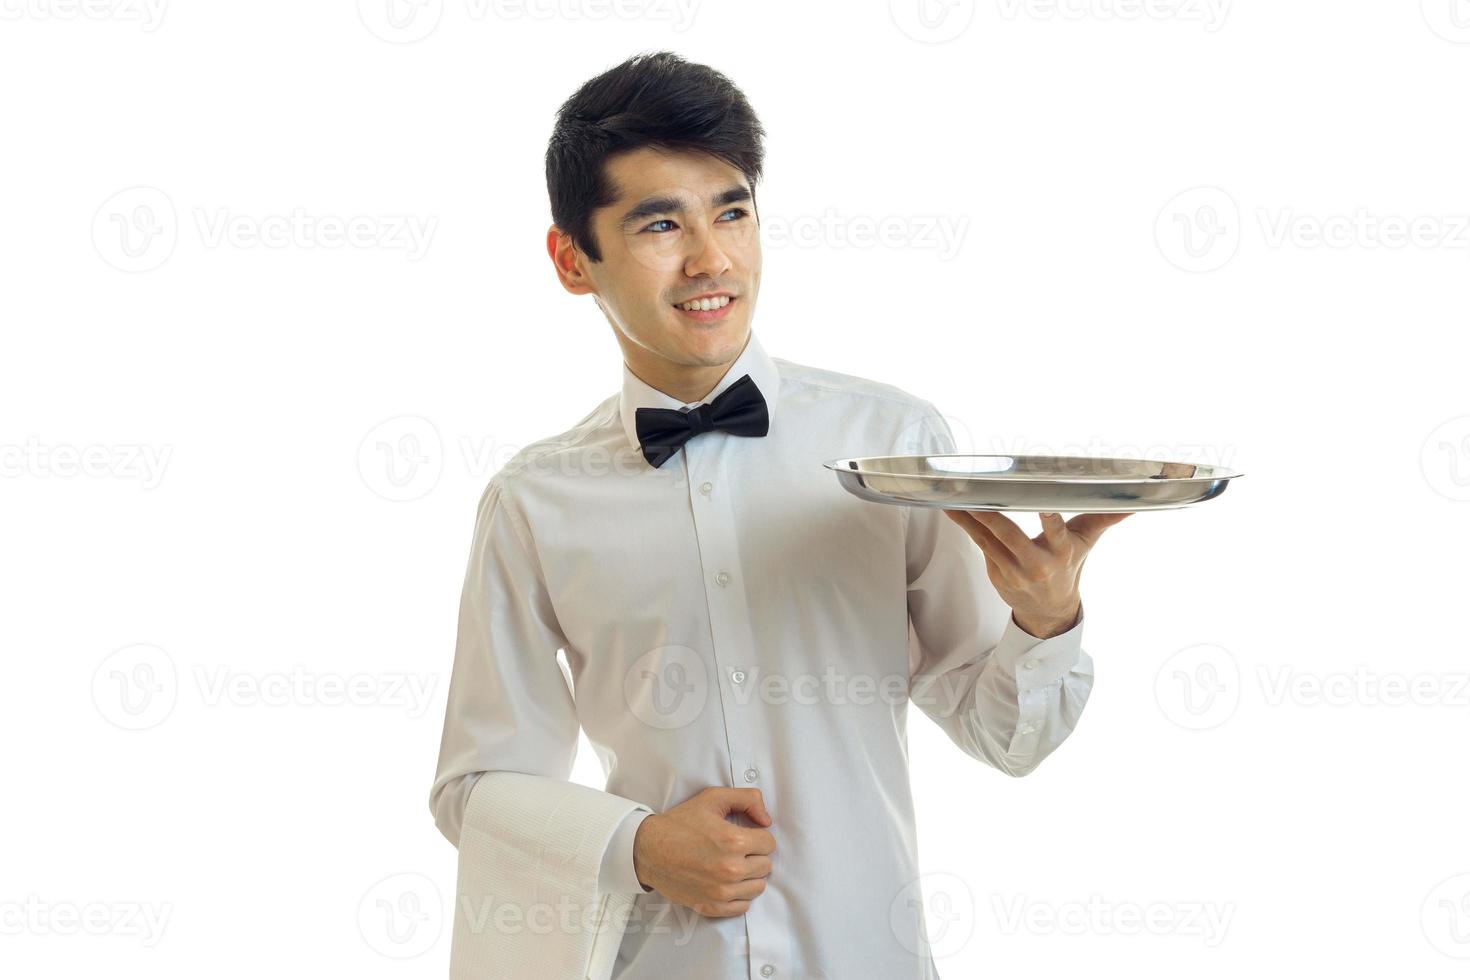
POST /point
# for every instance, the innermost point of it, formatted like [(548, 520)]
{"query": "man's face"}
[(683, 226)]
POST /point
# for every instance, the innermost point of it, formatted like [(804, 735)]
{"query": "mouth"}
[(707, 310)]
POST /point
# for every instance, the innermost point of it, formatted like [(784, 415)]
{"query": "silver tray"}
[(1070, 484)]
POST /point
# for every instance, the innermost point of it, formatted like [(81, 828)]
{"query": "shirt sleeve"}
[(1005, 697), (618, 873), (510, 707)]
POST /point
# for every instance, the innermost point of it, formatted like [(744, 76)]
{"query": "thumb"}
[(1053, 528), (1091, 526)]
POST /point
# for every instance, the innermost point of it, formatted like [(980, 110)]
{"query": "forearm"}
[(1013, 706)]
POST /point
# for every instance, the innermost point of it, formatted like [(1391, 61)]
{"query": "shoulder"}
[(887, 414), (568, 451), (809, 382)]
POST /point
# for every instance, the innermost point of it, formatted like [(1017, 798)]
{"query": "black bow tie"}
[(739, 410)]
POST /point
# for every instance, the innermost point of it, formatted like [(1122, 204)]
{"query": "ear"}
[(568, 260)]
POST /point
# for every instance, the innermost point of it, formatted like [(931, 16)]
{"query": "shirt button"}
[(1026, 729), (767, 970), (723, 578), (705, 488), (750, 775), (1031, 664), (738, 677)]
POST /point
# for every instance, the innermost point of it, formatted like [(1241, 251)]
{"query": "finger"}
[(757, 841), (721, 910), (756, 808), (1089, 527), (758, 866), (746, 890), (995, 553), (1053, 528), (994, 549), (1006, 531), (739, 799)]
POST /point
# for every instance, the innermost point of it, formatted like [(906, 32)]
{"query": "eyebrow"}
[(665, 204)]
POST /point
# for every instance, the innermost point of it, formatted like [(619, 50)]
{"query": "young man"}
[(743, 636)]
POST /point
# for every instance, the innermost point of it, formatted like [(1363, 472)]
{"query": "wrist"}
[(640, 843), (1044, 626)]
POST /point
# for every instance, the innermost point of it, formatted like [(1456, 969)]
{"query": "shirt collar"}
[(753, 361)]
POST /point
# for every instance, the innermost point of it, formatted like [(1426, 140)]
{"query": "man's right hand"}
[(694, 856)]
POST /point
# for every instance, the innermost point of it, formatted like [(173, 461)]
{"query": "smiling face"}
[(682, 227)]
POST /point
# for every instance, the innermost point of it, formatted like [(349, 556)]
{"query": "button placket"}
[(719, 556), (733, 646)]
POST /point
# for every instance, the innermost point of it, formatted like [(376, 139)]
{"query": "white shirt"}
[(735, 618)]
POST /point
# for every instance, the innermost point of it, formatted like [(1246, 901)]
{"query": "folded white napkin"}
[(527, 903)]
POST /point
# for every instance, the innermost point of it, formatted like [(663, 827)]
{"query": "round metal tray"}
[(1070, 484)]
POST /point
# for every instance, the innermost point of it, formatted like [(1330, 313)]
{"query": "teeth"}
[(705, 304)]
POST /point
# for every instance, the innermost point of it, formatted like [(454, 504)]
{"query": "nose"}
[(706, 257)]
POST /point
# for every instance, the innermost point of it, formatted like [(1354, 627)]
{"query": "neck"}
[(687, 382)]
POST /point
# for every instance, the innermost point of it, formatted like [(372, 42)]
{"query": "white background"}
[(1233, 233)]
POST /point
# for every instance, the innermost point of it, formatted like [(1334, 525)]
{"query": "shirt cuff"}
[(617, 873), (1035, 662)]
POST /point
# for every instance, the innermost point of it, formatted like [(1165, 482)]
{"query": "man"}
[(743, 636)]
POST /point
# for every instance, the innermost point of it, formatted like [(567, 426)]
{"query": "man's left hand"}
[(1037, 577)]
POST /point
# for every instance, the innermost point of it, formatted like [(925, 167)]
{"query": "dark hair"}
[(653, 99)]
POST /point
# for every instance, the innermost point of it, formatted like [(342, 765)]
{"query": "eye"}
[(652, 226)]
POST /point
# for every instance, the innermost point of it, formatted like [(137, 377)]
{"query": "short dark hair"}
[(653, 99)]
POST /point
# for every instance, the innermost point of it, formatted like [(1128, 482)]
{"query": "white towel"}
[(526, 901)]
